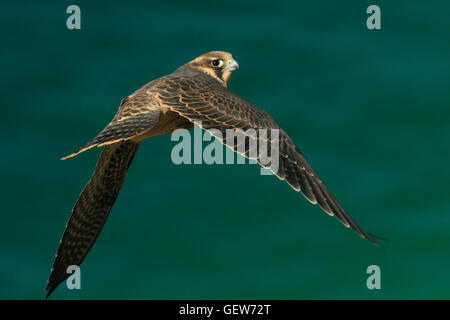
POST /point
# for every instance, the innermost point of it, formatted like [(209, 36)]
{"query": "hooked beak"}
[(232, 65)]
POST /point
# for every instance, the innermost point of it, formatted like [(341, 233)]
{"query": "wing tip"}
[(371, 237), (49, 289)]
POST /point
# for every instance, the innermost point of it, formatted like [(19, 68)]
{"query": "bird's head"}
[(218, 64)]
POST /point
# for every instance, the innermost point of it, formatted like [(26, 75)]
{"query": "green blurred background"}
[(369, 109)]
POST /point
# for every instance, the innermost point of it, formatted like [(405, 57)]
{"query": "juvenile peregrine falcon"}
[(195, 92)]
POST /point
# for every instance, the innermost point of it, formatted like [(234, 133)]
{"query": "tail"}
[(121, 129)]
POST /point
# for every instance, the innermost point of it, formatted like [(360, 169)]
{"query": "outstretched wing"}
[(91, 209), (199, 99)]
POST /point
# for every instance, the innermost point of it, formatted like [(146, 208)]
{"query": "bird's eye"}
[(217, 63)]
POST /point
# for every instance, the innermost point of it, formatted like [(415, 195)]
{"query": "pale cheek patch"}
[(226, 76)]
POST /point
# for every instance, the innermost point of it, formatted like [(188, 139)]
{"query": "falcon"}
[(194, 93)]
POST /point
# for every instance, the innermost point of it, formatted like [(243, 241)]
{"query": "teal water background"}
[(370, 110)]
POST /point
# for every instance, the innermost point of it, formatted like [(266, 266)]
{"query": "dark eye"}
[(217, 63)]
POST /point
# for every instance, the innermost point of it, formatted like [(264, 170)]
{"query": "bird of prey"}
[(194, 93)]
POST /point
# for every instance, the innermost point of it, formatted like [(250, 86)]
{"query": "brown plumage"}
[(195, 92)]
